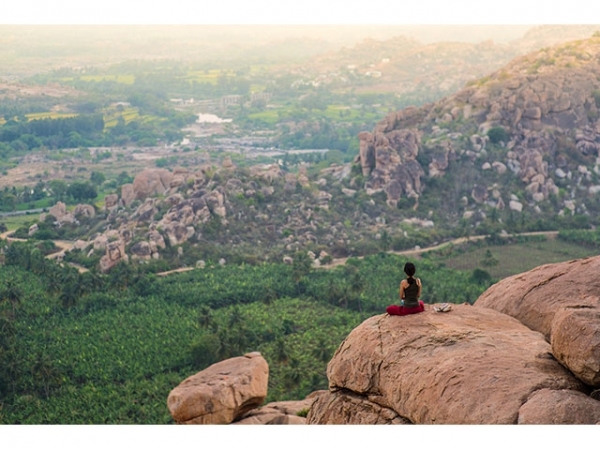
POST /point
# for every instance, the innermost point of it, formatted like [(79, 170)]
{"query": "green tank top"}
[(411, 295)]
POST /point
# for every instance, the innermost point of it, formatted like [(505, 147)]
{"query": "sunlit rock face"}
[(468, 366), (222, 392), (561, 301), (388, 157)]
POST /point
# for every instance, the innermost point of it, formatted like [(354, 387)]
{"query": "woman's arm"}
[(402, 289), (419, 284)]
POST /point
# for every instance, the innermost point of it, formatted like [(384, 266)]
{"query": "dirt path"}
[(63, 246), (68, 245), (461, 240), (169, 272)]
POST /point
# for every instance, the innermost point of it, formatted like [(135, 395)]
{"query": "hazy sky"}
[(304, 12)]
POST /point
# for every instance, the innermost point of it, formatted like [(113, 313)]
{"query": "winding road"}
[(461, 240)]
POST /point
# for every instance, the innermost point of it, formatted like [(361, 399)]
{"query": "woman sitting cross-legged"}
[(410, 291)]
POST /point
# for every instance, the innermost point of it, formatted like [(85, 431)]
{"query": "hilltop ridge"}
[(516, 150)]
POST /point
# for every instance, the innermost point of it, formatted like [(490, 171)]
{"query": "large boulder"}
[(388, 157), (151, 182), (468, 366), (114, 253), (221, 393), (127, 194), (561, 301), (58, 210), (86, 211), (111, 201)]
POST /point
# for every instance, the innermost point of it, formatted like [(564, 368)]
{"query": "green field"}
[(49, 115), (517, 258), (14, 222)]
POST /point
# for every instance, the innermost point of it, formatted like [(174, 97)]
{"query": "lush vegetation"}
[(90, 348)]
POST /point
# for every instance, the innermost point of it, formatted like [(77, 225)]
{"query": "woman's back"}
[(411, 294)]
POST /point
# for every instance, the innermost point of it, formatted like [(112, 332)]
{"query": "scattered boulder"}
[(156, 240), (100, 242), (515, 205), (141, 250), (111, 201), (561, 301), (83, 210), (221, 393), (115, 253), (127, 194), (58, 210), (177, 233)]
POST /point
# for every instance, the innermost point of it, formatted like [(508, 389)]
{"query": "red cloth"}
[(395, 310)]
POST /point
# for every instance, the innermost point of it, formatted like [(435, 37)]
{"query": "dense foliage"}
[(90, 348)]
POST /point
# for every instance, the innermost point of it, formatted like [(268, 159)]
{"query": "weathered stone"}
[(58, 210), (177, 233), (127, 194), (500, 168), (141, 250), (515, 205), (222, 392), (111, 201), (155, 239), (100, 242), (561, 301), (146, 211), (86, 211), (468, 366), (115, 253), (151, 182), (562, 407), (389, 157), (343, 407)]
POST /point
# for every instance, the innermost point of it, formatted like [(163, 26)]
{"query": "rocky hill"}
[(526, 138), (527, 352), (519, 146)]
